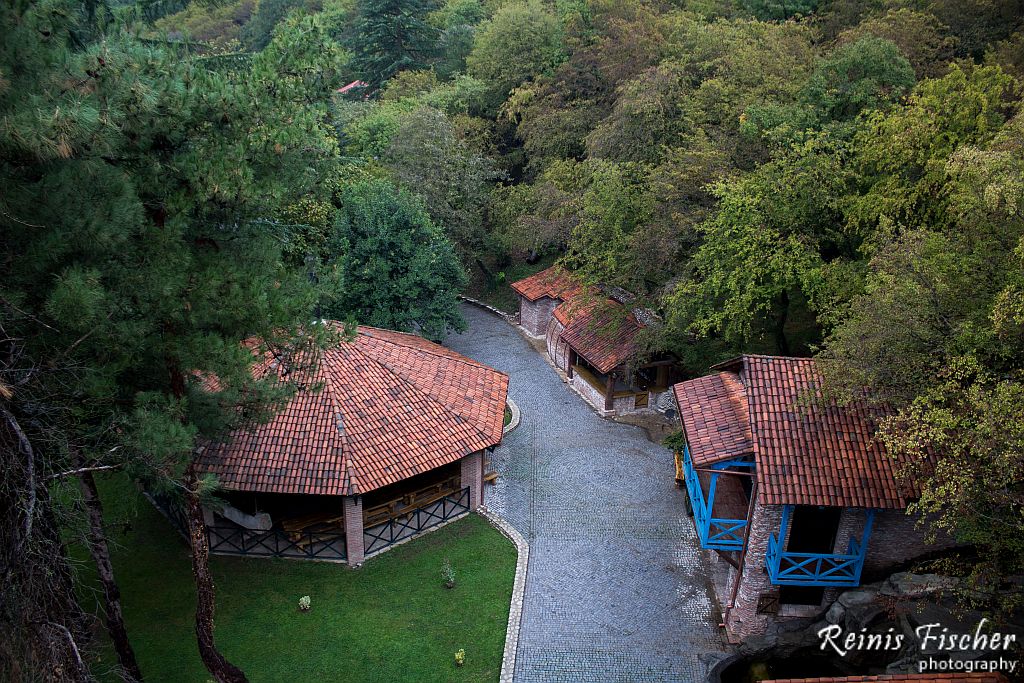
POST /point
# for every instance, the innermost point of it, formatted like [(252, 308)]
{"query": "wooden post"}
[(609, 389), (572, 362)]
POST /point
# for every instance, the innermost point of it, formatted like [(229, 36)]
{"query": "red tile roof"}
[(809, 451), (554, 282), (601, 331), (715, 417), (976, 677), (392, 406)]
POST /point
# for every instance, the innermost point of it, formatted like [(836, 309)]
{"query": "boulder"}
[(858, 598), (835, 613), (860, 608)]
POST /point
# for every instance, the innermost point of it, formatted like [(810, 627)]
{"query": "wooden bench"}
[(296, 527)]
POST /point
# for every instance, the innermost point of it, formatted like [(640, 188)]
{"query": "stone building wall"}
[(558, 350), (742, 620), (534, 316), (896, 539)]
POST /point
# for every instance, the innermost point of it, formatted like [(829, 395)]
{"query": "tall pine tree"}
[(392, 36), (137, 252)]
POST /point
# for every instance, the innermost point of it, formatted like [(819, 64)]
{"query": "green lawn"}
[(499, 294), (391, 620)]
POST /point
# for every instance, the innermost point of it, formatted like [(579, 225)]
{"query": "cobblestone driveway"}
[(616, 589)]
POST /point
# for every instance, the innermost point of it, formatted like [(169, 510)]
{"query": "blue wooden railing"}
[(786, 568), (714, 532)]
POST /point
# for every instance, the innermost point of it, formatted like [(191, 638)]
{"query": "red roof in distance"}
[(392, 405), (598, 328), (601, 331), (554, 282)]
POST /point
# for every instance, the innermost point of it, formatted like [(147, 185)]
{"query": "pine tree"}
[(392, 36), (137, 256)]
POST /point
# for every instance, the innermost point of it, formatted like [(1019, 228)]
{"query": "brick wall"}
[(473, 477), (592, 395), (534, 316), (353, 506), (851, 525), (742, 620), (895, 539), (558, 350)]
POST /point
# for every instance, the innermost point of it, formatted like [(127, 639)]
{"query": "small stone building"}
[(386, 440), (794, 493), (592, 337), (539, 296)]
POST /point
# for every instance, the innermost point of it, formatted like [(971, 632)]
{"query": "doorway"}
[(814, 529)]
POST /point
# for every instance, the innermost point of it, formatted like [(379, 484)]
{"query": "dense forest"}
[(842, 178)]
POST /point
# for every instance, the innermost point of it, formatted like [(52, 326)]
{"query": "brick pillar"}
[(851, 525), (743, 620), (473, 477), (353, 507)]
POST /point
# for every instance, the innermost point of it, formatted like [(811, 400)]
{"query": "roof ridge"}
[(462, 419), (755, 440), (735, 400), (455, 355), (346, 462), (809, 359)]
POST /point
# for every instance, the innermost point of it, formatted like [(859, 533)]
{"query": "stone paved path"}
[(616, 589)]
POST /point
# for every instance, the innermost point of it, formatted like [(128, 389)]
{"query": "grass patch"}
[(497, 292), (391, 620)]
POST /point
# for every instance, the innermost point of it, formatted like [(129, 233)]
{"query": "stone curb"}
[(515, 610), (516, 416), (487, 307)]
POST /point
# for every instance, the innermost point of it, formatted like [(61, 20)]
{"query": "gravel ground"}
[(616, 589)]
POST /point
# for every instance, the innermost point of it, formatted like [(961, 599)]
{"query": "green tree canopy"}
[(136, 184), (521, 41), (392, 36), (390, 266)]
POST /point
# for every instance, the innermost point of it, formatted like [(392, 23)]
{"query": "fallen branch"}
[(82, 470)]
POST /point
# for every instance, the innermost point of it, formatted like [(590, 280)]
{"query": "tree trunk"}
[(780, 324), (223, 670), (100, 552), (484, 269)]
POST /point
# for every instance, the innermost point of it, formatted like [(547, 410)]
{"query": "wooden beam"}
[(710, 471), (726, 555)]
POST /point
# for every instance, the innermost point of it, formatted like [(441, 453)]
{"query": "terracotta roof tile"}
[(808, 451), (554, 282), (601, 331), (715, 417), (392, 405)]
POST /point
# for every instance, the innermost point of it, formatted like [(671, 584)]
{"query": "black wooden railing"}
[(231, 539), (380, 536), (227, 538)]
